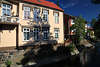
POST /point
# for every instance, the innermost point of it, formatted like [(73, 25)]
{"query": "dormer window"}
[(6, 10)]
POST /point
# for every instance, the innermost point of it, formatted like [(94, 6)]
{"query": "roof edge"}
[(43, 5)]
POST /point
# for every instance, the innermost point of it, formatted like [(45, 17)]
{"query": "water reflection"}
[(87, 58)]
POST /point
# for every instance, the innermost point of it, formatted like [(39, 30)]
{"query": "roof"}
[(72, 17), (45, 3)]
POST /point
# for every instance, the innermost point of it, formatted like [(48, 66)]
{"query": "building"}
[(29, 21), (68, 22)]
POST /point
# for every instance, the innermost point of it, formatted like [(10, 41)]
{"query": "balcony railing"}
[(9, 19), (38, 23)]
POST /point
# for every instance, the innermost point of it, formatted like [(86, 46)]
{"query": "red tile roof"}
[(45, 3)]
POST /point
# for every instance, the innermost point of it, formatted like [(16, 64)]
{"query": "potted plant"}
[(8, 63)]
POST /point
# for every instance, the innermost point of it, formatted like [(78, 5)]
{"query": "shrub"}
[(71, 47), (8, 62)]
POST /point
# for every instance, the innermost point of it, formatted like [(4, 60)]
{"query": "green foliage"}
[(58, 2), (97, 27), (98, 18), (79, 28), (8, 62), (93, 22), (71, 47), (96, 1)]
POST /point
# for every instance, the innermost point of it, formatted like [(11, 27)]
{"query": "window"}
[(56, 15), (72, 22), (56, 31), (45, 33), (6, 9), (26, 12), (26, 32), (45, 15), (36, 33), (36, 14)]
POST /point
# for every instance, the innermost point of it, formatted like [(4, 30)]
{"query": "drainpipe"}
[(17, 37), (0, 38), (69, 25)]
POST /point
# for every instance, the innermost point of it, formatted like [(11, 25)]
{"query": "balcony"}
[(39, 23), (9, 20)]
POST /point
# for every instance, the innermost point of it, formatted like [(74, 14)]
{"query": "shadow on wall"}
[(7, 27)]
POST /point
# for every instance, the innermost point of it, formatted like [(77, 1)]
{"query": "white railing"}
[(9, 19), (38, 22)]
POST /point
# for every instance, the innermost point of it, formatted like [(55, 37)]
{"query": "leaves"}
[(79, 28), (96, 1), (93, 22), (96, 27)]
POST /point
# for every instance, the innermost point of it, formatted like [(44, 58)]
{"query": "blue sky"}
[(80, 7)]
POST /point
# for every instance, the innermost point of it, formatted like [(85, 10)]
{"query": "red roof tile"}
[(45, 3)]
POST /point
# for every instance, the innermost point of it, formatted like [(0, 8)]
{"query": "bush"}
[(8, 62), (71, 47)]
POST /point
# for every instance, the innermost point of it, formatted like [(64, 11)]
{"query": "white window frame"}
[(56, 31), (72, 21), (6, 7), (56, 17), (46, 31), (36, 31), (35, 18), (26, 32), (27, 9), (45, 13)]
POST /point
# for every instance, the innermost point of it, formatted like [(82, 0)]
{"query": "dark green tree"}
[(93, 22), (97, 27), (58, 1), (79, 28), (96, 1), (97, 24)]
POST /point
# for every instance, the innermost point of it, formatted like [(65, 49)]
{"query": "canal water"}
[(87, 58)]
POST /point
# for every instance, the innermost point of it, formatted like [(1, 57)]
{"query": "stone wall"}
[(9, 55)]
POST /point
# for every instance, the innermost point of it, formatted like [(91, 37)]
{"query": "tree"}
[(97, 27), (96, 1), (58, 2), (93, 22), (79, 28), (97, 24)]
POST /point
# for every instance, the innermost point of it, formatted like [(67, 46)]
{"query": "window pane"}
[(36, 14), (56, 17), (26, 12), (56, 33), (8, 6), (4, 5), (25, 36), (45, 15), (8, 12), (24, 29), (3, 11), (26, 32), (6, 9), (36, 33), (27, 29)]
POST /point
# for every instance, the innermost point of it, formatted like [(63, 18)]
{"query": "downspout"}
[(69, 26), (0, 37), (17, 37), (17, 29)]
